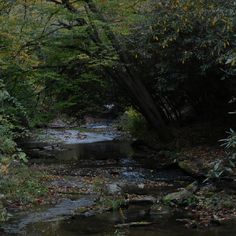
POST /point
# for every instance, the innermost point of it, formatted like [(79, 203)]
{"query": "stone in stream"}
[(124, 187), (48, 148), (160, 210), (63, 121), (193, 168), (182, 195), (113, 189), (63, 210)]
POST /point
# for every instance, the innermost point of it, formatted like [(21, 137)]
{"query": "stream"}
[(77, 155)]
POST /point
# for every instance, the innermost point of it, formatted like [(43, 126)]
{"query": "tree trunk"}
[(126, 76), (133, 83)]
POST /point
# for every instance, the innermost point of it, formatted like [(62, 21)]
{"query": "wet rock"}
[(82, 136), (48, 148), (190, 224), (141, 186), (63, 210), (177, 197), (160, 209), (35, 150), (192, 167), (182, 195), (54, 147), (63, 121), (89, 213), (134, 188), (113, 189)]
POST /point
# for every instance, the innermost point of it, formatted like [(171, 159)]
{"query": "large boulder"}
[(177, 197), (192, 168), (181, 196)]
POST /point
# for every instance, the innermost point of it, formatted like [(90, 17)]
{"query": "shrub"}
[(133, 122), (225, 167)]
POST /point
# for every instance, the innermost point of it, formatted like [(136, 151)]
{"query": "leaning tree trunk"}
[(125, 75), (133, 83)]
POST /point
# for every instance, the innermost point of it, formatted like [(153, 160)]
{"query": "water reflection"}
[(104, 225), (95, 151)]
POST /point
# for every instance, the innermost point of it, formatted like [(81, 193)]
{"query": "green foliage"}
[(52, 63), (133, 122), (8, 146), (114, 203), (217, 171), (226, 167), (60, 58), (48, 63), (22, 185), (12, 117), (181, 50), (230, 141), (191, 201), (17, 182)]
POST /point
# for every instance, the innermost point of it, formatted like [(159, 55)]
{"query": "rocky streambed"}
[(101, 188)]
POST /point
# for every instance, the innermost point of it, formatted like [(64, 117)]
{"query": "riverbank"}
[(198, 152)]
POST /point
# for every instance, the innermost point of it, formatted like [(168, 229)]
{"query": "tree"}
[(121, 71)]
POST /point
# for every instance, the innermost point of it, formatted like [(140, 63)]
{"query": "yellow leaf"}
[(4, 169), (214, 20)]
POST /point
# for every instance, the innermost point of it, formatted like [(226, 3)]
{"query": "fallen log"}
[(133, 224)]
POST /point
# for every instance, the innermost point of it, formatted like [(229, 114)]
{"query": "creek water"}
[(100, 154), (103, 225)]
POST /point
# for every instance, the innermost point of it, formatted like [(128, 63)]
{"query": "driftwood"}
[(134, 224)]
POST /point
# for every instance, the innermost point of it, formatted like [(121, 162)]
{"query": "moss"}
[(112, 203)]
